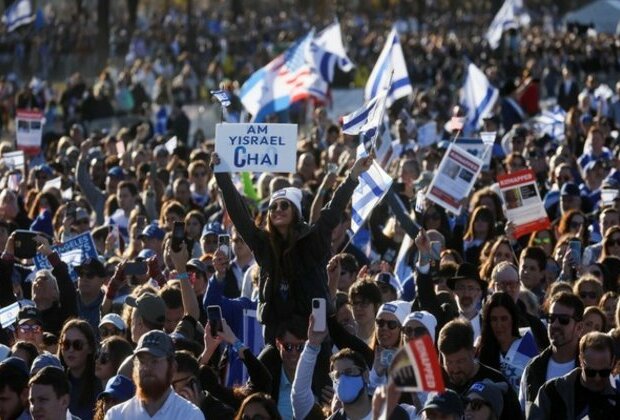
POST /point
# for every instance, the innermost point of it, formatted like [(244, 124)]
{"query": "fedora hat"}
[(466, 271)]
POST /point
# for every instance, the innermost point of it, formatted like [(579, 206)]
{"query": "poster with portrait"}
[(522, 203), (29, 130)]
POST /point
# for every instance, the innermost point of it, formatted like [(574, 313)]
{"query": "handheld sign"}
[(8, 314), (73, 253), (256, 147), (416, 367), (29, 130)]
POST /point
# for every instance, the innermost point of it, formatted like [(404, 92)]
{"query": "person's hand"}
[(227, 335), (363, 272), (220, 263), (179, 259), (110, 243), (329, 180), (44, 246), (362, 165), (333, 271), (423, 244), (85, 146), (327, 395), (190, 391), (215, 159), (509, 231), (211, 342), (9, 247), (385, 399), (567, 261), (315, 338)]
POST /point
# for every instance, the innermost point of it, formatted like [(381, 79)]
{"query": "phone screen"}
[(223, 244), (178, 235), (214, 315)]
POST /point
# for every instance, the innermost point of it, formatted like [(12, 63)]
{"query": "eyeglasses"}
[(26, 328), (107, 332), (562, 318), (103, 357), (279, 205), (289, 347), (587, 295), (391, 324), (602, 373), (414, 331), (78, 345), (476, 404), (353, 371), (539, 241), (613, 242)]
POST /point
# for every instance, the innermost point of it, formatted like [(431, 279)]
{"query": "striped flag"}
[(373, 185), (550, 122), (511, 15), (391, 57), (478, 97), (18, 14), (328, 52)]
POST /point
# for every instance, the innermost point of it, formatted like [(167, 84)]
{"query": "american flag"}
[(296, 72)]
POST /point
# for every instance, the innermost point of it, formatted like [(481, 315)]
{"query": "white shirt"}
[(555, 369), (175, 407)]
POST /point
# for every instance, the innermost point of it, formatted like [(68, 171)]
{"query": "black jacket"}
[(54, 317), (302, 268), (534, 376)]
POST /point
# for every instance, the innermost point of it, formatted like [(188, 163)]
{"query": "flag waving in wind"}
[(18, 14), (328, 51), (511, 15), (391, 57), (478, 97), (286, 79)]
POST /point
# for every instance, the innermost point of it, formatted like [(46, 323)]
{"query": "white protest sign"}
[(54, 183), (29, 126), (256, 147), (15, 160), (171, 144), (8, 314), (455, 177), (608, 196)]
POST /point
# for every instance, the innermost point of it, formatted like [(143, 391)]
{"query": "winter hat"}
[(425, 318), (291, 194), (398, 308)]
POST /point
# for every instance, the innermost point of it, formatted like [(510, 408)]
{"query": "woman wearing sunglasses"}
[(485, 400), (589, 290), (258, 407), (544, 239), (292, 255), (501, 345), (114, 350), (77, 353)]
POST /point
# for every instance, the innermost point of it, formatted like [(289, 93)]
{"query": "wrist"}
[(182, 275), (238, 345)]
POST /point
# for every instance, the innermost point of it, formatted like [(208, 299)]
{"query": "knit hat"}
[(291, 194), (398, 308), (425, 318)]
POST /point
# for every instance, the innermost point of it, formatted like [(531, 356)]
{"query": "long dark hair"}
[(489, 349), (88, 379), (281, 246), (265, 401)]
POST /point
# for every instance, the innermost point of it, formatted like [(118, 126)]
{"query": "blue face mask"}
[(349, 388)]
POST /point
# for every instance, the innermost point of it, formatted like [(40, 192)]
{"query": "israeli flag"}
[(328, 52), (511, 15), (478, 97), (551, 122), (222, 96), (366, 118), (18, 14), (372, 187), (391, 57)]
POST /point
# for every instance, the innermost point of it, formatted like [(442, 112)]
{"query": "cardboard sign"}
[(522, 203), (454, 179), (256, 147), (72, 252), (29, 125), (416, 367)]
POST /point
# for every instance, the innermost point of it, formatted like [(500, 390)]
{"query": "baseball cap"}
[(44, 359), (425, 318), (81, 214), (114, 319), (28, 313), (213, 228), (17, 363), (150, 307), (119, 387), (569, 189), (291, 194), (116, 172), (91, 267), (145, 254), (44, 168), (152, 231), (447, 402), (398, 308), (491, 393), (390, 280), (156, 343), (198, 265)]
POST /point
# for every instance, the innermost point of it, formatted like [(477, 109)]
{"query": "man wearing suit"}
[(568, 91)]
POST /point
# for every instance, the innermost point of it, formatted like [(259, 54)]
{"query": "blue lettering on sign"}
[(257, 129), (243, 158), (256, 141)]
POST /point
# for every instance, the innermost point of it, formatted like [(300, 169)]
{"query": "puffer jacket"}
[(307, 258)]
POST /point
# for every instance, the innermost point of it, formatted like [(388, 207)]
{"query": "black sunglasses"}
[(78, 345), (290, 347), (282, 205), (591, 373), (391, 324), (563, 319), (414, 331)]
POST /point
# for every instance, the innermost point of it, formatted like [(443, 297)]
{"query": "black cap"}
[(28, 313), (91, 266), (466, 271)]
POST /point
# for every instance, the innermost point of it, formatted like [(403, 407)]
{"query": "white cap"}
[(114, 319), (425, 318), (398, 308), (291, 194)]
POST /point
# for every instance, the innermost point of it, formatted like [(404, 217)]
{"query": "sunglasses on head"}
[(289, 347), (476, 404), (391, 324), (414, 331), (587, 295), (602, 373), (279, 205), (563, 319), (78, 345)]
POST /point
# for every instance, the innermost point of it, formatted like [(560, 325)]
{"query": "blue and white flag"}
[(511, 15), (328, 52), (222, 96), (372, 187), (391, 58), (18, 14), (478, 97), (550, 122), (367, 119)]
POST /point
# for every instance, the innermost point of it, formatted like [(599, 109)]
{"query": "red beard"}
[(152, 388)]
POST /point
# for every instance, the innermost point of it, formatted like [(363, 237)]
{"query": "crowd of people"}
[(157, 322)]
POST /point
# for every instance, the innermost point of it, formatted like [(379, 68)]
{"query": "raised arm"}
[(93, 194), (188, 296), (7, 297)]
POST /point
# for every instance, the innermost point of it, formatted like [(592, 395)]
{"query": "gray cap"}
[(491, 392), (150, 307), (45, 359), (156, 343)]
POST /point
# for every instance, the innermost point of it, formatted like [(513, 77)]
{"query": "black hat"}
[(91, 266), (466, 271), (28, 313)]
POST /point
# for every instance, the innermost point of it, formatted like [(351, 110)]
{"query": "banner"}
[(454, 179), (416, 367), (256, 147), (522, 203), (15, 161), (29, 130), (8, 314), (72, 252)]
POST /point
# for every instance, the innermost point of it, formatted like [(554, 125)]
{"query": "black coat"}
[(303, 267)]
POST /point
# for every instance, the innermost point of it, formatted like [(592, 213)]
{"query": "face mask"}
[(349, 388)]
